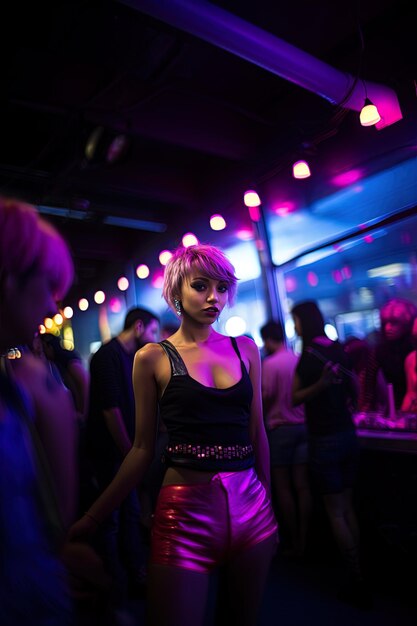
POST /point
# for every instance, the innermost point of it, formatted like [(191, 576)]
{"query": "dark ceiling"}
[(201, 123)]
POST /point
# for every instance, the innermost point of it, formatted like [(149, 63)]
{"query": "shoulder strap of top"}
[(236, 349), (177, 364)]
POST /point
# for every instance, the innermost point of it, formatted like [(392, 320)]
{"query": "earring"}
[(177, 305)]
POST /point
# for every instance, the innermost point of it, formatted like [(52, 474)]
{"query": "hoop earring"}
[(177, 305)]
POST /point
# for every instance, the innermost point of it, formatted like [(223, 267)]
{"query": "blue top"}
[(208, 428), (32, 580)]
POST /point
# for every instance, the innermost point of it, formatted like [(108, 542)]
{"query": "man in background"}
[(110, 434)]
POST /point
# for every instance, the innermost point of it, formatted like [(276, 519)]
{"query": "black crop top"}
[(208, 428)]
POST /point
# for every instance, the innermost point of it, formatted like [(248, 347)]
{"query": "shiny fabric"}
[(200, 526)]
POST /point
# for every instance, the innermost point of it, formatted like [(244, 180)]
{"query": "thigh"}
[(190, 527), (244, 583), (176, 597)]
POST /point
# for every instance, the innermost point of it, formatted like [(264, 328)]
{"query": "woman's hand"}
[(330, 375), (85, 527)]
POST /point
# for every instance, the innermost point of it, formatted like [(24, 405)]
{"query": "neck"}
[(128, 341), (191, 332), (277, 347)]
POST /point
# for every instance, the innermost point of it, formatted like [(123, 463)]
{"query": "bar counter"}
[(386, 492), (395, 434)]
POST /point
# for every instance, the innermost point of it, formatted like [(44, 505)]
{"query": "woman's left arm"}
[(256, 422), (55, 421)]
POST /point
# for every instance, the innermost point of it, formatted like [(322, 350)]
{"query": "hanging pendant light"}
[(301, 169), (369, 114)]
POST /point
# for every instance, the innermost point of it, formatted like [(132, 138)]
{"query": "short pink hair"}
[(29, 243), (209, 260)]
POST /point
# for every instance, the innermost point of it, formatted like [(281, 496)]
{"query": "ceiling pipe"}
[(229, 32)]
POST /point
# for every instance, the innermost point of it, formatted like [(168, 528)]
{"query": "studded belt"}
[(211, 452)]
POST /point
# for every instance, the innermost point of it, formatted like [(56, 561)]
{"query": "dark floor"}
[(305, 593)]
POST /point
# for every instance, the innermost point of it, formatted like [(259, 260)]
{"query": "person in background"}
[(364, 363), (71, 368), (110, 434), (37, 426), (409, 402), (168, 329), (287, 436), (328, 389), (394, 345), (214, 506)]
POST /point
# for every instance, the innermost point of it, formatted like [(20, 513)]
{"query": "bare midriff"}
[(184, 476)]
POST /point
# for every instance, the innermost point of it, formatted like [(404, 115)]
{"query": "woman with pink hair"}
[(37, 425), (214, 506)]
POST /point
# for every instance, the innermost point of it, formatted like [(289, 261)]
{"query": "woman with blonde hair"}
[(214, 506)]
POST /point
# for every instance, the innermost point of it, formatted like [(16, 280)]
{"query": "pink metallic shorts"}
[(200, 526)]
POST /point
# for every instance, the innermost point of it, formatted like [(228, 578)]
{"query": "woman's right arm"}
[(140, 455), (302, 394)]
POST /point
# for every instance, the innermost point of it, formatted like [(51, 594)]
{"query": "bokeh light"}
[(217, 222), (83, 304), (99, 297), (189, 239), (123, 283), (164, 257), (58, 319), (142, 271), (68, 312), (251, 198), (235, 326)]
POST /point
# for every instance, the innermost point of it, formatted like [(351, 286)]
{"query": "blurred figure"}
[(287, 436), (110, 434), (168, 329), (37, 426), (395, 343), (71, 369), (324, 382), (363, 362), (410, 369)]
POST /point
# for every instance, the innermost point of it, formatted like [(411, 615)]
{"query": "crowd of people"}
[(176, 452)]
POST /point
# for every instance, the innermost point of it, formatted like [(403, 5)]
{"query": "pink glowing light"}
[(368, 239), (255, 213), (244, 234), (290, 284), (283, 208), (115, 305), (346, 272), (337, 276), (312, 279), (158, 280), (347, 178)]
